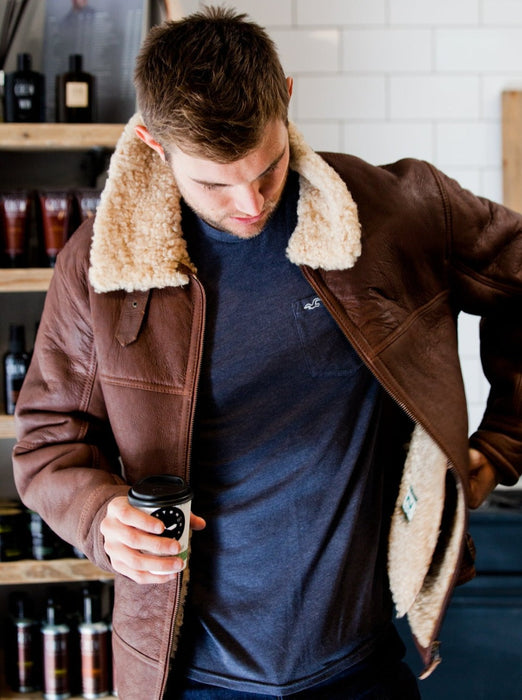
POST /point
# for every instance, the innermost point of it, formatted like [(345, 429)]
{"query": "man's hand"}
[(131, 540), (482, 478)]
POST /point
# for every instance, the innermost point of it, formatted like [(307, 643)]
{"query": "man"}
[(279, 328)]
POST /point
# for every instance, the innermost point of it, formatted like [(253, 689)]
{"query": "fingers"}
[(197, 523), (133, 544), (120, 510), (143, 567), (483, 478)]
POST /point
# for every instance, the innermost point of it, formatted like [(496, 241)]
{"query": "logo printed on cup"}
[(167, 498)]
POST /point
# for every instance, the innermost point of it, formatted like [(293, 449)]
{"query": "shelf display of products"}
[(32, 559), (24, 535), (61, 646), (34, 226)]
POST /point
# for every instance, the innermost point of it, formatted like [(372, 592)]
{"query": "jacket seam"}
[(87, 389), (410, 321), (482, 279), (146, 386), (446, 210)]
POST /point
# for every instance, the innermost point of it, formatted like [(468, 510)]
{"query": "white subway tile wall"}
[(383, 79)]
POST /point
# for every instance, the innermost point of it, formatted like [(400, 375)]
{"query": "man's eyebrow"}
[(272, 165)]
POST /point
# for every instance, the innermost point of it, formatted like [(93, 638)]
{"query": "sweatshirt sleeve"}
[(65, 460)]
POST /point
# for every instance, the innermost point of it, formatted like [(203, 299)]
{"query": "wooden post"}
[(512, 148), (173, 9)]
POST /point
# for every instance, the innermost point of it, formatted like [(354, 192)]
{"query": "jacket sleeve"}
[(485, 265), (65, 460)]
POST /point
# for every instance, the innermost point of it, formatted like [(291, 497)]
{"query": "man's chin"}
[(248, 227), (240, 226)]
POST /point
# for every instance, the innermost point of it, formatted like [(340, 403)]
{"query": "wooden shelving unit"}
[(21, 280), (45, 572), (29, 279), (46, 137), (58, 136), (7, 427), (6, 694), (50, 571), (41, 137)]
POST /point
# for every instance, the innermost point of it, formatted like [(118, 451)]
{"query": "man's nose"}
[(249, 200)]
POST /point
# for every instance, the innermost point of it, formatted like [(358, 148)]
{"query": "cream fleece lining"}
[(416, 590), (138, 245)]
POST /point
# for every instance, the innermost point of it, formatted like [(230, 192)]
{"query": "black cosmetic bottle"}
[(16, 362), (24, 93)]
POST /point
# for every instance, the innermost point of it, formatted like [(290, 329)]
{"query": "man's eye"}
[(210, 186)]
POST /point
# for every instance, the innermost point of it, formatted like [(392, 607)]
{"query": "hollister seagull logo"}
[(314, 304)]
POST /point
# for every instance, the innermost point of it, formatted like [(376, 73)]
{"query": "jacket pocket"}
[(327, 352)]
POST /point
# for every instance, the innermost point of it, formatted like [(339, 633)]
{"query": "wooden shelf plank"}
[(7, 427), (7, 694), (58, 136), (50, 571), (28, 279)]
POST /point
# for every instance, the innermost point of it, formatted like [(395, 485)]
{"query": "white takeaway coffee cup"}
[(167, 498)]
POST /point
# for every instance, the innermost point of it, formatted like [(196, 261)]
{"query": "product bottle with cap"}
[(24, 91), (16, 362), (113, 682), (14, 536), (22, 651), (55, 643), (75, 93), (94, 647)]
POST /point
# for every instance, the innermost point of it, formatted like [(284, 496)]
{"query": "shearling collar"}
[(138, 242)]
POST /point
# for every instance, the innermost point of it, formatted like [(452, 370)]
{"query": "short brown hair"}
[(210, 83)]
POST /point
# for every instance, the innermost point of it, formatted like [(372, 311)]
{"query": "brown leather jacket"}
[(394, 252)]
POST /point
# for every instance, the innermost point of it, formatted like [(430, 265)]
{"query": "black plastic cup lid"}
[(159, 490)]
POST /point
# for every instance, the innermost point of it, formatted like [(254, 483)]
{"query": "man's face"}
[(237, 197)]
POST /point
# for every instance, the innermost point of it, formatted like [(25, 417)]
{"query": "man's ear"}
[(143, 133)]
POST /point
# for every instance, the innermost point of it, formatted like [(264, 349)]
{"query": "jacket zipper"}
[(190, 432), (431, 654), (197, 370)]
